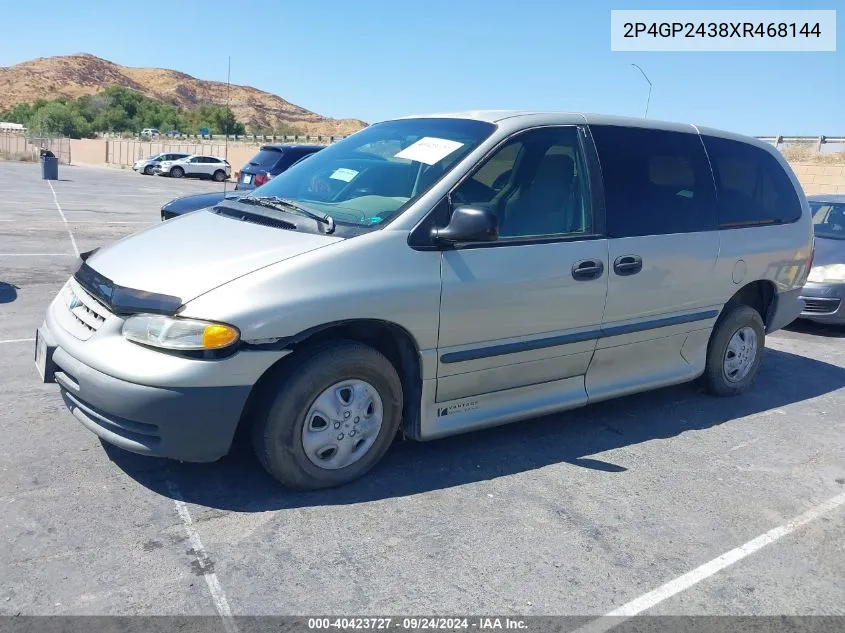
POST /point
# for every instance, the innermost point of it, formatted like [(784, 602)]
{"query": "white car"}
[(149, 131), (195, 165), (146, 166)]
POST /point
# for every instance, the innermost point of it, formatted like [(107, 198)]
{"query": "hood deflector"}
[(122, 300)]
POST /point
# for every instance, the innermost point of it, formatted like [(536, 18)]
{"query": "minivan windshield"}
[(829, 219), (369, 177)]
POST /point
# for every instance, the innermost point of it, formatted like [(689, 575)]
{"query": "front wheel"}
[(148, 170), (177, 172), (219, 175), (735, 351), (331, 418)]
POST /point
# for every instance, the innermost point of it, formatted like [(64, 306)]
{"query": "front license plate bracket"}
[(44, 349)]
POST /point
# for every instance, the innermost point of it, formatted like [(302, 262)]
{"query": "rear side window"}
[(266, 158), (751, 185), (288, 158), (655, 182)]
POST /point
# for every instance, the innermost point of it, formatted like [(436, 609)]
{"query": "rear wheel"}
[(219, 175), (331, 418), (177, 172), (735, 351)]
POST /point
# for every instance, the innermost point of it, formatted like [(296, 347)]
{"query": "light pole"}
[(648, 100)]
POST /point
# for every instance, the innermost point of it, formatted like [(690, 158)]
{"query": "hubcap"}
[(740, 355), (342, 424)]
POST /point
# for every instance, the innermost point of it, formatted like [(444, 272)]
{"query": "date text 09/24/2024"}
[(417, 624)]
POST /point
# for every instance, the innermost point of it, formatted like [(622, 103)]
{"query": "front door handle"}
[(627, 265), (587, 269)]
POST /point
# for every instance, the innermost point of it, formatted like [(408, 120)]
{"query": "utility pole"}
[(228, 110)]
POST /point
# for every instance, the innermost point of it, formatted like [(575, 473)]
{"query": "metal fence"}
[(20, 147), (318, 139), (806, 141), (126, 151)]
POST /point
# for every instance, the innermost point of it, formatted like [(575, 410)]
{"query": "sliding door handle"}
[(627, 265)]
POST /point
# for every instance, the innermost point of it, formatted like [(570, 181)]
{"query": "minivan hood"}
[(192, 254)]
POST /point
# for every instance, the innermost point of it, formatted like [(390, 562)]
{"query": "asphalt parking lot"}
[(569, 514)]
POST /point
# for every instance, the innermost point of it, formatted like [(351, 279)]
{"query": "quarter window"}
[(535, 184), (655, 182), (752, 186)]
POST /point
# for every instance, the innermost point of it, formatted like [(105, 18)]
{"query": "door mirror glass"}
[(468, 224)]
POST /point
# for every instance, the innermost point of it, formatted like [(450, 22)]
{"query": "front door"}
[(526, 309)]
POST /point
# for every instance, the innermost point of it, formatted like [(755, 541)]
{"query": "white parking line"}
[(37, 255), (17, 340), (217, 594), (33, 223), (682, 583), (64, 219)]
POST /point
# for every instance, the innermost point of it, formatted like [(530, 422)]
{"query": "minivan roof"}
[(564, 118), (834, 198)]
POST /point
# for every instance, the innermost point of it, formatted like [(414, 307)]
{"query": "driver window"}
[(535, 184)]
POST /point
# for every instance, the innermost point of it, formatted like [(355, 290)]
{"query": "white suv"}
[(196, 165)]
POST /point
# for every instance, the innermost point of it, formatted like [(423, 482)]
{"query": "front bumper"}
[(189, 424), (146, 401), (824, 303)]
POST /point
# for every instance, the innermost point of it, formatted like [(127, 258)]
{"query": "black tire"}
[(277, 432), (735, 318), (219, 175), (176, 172), (148, 170)]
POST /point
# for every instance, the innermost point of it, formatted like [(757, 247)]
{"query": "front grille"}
[(87, 312), (820, 306)]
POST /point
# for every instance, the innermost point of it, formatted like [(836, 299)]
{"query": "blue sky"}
[(375, 59)]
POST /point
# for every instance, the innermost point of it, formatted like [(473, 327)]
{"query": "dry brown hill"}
[(72, 76)]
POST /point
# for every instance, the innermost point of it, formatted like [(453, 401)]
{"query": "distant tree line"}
[(118, 109)]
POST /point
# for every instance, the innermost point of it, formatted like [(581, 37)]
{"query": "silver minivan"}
[(430, 276)]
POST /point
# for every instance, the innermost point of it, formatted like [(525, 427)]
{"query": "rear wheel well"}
[(393, 341), (759, 295)]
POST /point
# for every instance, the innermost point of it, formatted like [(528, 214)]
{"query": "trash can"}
[(49, 165)]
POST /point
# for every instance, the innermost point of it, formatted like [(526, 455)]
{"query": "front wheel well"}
[(391, 340)]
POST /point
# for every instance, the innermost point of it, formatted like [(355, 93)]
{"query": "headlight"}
[(179, 334), (831, 272)]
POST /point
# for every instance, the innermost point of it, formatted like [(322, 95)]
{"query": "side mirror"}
[(468, 224)]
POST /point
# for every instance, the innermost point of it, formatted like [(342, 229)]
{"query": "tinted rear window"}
[(752, 186), (655, 182), (266, 158)]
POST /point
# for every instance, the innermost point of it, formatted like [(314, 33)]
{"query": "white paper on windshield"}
[(344, 174), (429, 150)]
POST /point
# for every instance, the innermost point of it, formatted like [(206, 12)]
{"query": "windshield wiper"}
[(283, 204)]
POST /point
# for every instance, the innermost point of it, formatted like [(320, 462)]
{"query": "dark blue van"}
[(270, 161)]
